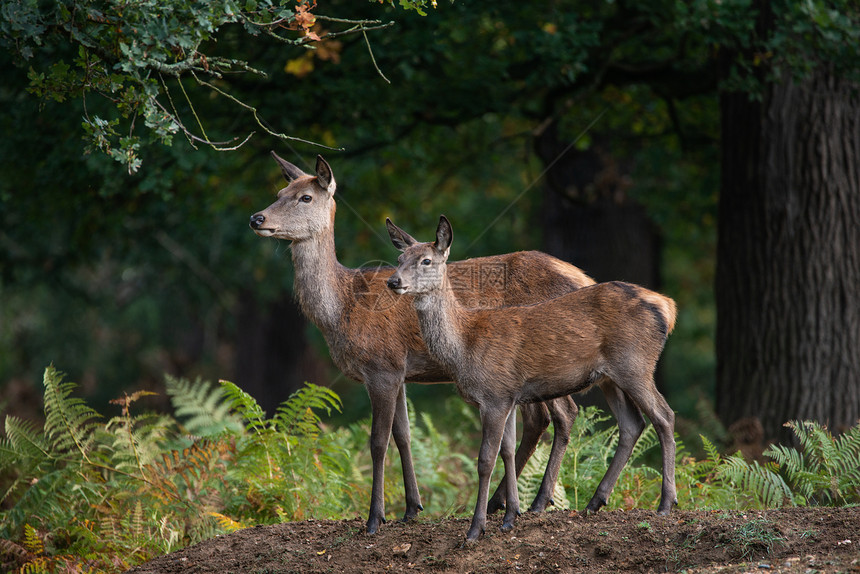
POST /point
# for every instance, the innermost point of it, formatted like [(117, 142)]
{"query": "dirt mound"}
[(802, 540)]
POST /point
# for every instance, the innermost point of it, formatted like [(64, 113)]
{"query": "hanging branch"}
[(257, 118)]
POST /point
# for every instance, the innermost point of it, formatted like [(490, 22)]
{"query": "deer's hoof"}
[(594, 505), (411, 514), (373, 524), (665, 509), (472, 536), (494, 506)]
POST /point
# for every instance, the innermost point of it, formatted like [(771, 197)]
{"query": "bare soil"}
[(797, 540)]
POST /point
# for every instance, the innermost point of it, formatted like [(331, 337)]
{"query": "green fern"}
[(532, 477), (285, 461), (23, 451), (827, 469), (761, 483), (202, 407), (137, 485), (697, 482), (130, 442), (246, 407), (297, 416), (713, 454), (69, 421), (591, 446)]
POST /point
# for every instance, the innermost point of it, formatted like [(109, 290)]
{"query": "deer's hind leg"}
[(563, 412), (630, 427), (509, 439), (651, 402), (536, 418), (402, 438)]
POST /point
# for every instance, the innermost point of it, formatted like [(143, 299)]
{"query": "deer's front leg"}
[(382, 389), (493, 419), (402, 438)]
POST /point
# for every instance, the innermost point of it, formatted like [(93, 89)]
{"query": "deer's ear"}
[(325, 178), (290, 171), (444, 235), (399, 238)]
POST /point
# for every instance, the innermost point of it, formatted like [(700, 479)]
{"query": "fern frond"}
[(204, 408), (69, 421), (185, 469), (297, 415), (24, 441), (761, 482), (849, 442), (711, 462), (815, 440), (646, 442), (245, 406), (23, 450), (532, 475), (39, 565), (32, 541), (132, 442), (826, 468), (227, 523), (795, 467)]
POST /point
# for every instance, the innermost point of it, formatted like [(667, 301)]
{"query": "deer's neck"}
[(441, 320), (319, 280)]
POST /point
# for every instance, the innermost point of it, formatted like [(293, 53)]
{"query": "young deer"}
[(373, 335), (608, 334)]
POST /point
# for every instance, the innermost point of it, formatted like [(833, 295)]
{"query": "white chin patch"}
[(400, 291), (264, 232)]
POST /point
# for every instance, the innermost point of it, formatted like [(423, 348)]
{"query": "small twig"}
[(372, 59), (193, 138), (175, 112), (348, 21), (354, 29), (259, 121), (193, 111)]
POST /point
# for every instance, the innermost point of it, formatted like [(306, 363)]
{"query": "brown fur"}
[(373, 336), (608, 334)]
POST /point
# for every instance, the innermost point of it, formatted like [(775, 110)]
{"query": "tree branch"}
[(257, 118)]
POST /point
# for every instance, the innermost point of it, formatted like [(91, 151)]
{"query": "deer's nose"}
[(394, 282), (257, 220)]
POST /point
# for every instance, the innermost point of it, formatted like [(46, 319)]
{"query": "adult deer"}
[(608, 334), (373, 335)]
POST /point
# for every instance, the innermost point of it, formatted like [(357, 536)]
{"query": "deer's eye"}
[(306, 199), (426, 262)]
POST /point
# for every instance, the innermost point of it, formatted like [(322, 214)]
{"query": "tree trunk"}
[(788, 256)]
